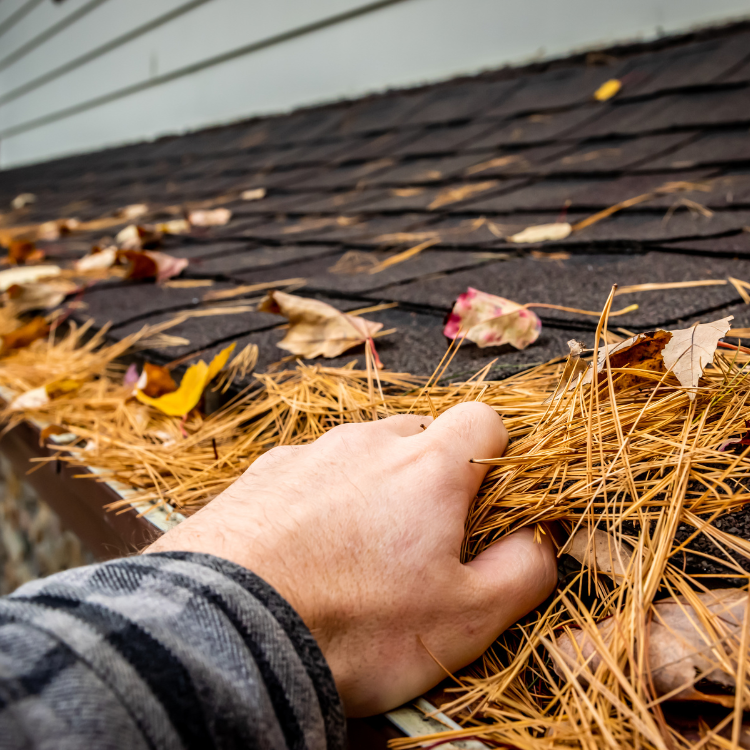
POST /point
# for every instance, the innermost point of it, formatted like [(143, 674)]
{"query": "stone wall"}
[(33, 542)]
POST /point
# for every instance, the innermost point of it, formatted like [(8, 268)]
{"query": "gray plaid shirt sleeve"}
[(174, 650)]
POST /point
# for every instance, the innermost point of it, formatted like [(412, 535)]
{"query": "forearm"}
[(166, 650)]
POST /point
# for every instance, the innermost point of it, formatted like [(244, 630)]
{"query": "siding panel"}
[(407, 43)]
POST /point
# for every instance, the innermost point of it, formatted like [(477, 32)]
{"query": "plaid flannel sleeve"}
[(173, 650)]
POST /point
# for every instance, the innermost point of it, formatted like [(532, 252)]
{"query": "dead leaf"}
[(49, 430), (36, 328), (216, 217), (155, 381), (97, 259), (22, 200), (26, 275), (23, 251), (131, 375), (182, 401), (137, 236), (41, 295), (607, 90), (685, 353), (742, 440), (253, 195), (37, 398), (147, 264), (488, 320), (681, 656), (691, 349), (175, 226), (53, 230), (542, 233), (600, 551), (353, 262), (133, 211), (317, 329)]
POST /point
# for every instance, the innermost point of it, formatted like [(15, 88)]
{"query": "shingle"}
[(584, 282), (381, 114), (341, 177), (690, 65), (119, 303), (323, 274), (700, 109), (538, 128), (618, 154), (733, 245), (417, 346), (250, 259), (462, 101), (527, 161), (425, 171), (448, 197), (718, 147), (442, 140), (563, 87)]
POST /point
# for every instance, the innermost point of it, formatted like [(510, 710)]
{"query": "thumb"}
[(506, 582)]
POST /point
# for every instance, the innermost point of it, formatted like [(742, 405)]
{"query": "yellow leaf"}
[(607, 90), (218, 362), (194, 382)]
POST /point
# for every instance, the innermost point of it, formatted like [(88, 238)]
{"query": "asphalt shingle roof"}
[(516, 147)]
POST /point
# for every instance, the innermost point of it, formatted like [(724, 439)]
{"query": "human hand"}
[(361, 532)]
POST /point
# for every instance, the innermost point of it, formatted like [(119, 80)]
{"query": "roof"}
[(465, 164)]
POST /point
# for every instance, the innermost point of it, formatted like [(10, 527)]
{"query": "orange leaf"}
[(20, 251), (140, 265), (36, 328), (194, 382), (156, 381)]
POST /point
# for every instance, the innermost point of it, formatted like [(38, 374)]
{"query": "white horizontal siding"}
[(11, 8), (205, 32), (409, 42)]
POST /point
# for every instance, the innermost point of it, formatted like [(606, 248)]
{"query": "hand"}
[(361, 532)]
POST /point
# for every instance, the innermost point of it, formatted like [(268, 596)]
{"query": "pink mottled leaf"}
[(488, 320)]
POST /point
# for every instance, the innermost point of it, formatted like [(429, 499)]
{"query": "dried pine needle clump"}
[(633, 460)]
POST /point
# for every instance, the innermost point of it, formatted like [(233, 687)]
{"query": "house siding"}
[(84, 74)]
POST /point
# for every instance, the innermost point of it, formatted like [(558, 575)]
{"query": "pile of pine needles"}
[(635, 462)]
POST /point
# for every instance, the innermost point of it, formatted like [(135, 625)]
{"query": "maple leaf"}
[(210, 218), (684, 352), (182, 401), (680, 650), (317, 329), (488, 320)]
